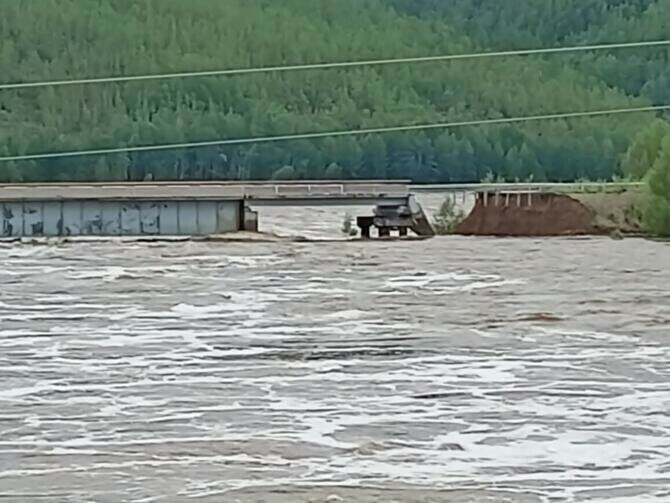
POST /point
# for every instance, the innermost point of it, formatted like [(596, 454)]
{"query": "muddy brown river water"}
[(450, 370)]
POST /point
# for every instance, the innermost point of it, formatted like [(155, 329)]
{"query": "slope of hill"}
[(56, 39), (538, 23)]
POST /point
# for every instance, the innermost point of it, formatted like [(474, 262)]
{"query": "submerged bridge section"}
[(171, 209)]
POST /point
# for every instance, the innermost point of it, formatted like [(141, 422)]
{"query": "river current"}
[(449, 370)]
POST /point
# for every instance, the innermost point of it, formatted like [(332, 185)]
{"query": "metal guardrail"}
[(258, 191)]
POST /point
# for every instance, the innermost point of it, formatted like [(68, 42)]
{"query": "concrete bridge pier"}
[(250, 223)]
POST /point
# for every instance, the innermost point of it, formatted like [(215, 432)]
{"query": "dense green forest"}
[(65, 39)]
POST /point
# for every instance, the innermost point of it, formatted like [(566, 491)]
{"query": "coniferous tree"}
[(64, 39)]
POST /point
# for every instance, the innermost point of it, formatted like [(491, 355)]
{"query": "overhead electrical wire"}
[(331, 134), (332, 65)]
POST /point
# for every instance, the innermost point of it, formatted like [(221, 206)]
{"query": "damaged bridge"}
[(191, 209)]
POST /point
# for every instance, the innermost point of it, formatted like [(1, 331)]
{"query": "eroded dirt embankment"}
[(552, 215)]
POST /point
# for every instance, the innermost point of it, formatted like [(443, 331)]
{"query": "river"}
[(449, 370)]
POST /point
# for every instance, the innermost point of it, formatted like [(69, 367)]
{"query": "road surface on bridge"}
[(308, 192)]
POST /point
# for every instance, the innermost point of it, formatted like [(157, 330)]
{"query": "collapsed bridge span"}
[(187, 208)]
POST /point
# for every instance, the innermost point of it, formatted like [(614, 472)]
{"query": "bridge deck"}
[(262, 192)]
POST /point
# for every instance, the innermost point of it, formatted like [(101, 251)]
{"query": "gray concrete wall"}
[(118, 218)]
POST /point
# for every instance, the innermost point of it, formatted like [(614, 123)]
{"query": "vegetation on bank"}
[(447, 217), (648, 159), (63, 39)]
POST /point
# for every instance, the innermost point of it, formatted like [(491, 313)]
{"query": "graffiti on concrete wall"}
[(118, 218)]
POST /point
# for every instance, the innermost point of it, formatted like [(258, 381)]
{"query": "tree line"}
[(648, 159), (63, 39)]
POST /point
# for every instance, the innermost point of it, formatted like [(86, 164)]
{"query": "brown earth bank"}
[(553, 215)]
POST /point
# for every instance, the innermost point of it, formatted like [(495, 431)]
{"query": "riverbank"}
[(554, 214)]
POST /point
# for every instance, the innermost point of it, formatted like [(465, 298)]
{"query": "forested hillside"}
[(64, 39)]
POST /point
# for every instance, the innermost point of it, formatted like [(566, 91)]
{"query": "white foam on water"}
[(637, 498), (191, 311), (446, 283), (349, 314), (13, 393), (110, 273), (18, 307), (481, 285), (217, 370)]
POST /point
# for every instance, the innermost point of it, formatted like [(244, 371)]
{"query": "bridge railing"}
[(329, 189), (317, 190)]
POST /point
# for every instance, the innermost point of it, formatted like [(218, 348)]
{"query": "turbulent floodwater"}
[(450, 370)]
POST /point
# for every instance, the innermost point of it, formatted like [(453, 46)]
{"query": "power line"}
[(331, 134), (325, 66)]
